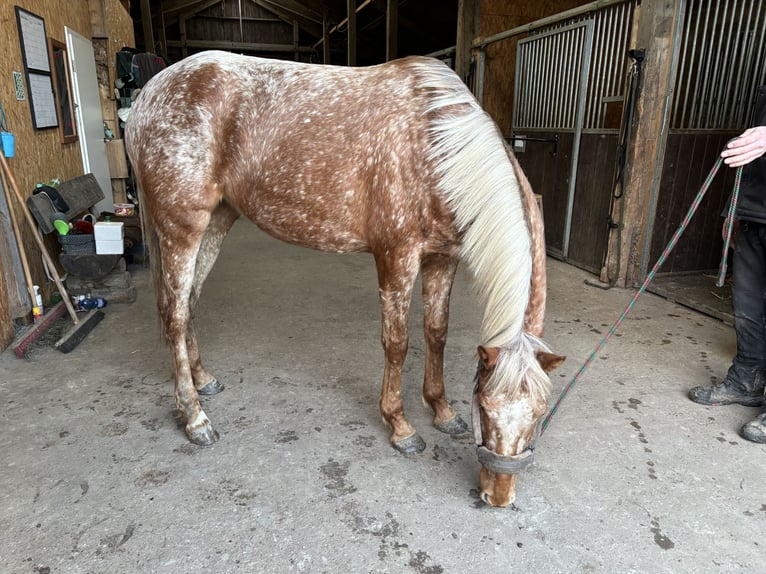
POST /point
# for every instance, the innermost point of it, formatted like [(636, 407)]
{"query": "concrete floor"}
[(97, 475)]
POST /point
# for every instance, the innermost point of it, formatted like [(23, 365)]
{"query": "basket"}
[(77, 244)]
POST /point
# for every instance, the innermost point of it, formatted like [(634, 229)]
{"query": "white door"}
[(90, 120)]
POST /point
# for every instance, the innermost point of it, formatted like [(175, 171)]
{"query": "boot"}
[(725, 393), (755, 430)]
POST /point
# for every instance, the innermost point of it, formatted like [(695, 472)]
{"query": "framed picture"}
[(62, 88), (37, 69)]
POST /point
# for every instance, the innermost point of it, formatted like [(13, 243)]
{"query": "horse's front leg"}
[(438, 274), (396, 276)]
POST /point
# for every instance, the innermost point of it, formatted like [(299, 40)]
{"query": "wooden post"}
[(163, 39), (467, 30), (351, 8), (658, 33), (182, 29), (392, 29), (146, 20), (325, 40), (296, 39)]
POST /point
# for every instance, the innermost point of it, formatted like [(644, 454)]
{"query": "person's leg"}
[(755, 430), (744, 382)]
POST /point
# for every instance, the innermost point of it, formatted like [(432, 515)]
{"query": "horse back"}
[(333, 158)]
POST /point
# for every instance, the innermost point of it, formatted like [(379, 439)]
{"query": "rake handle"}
[(40, 242)]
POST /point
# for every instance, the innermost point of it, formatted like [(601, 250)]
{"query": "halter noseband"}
[(498, 463)]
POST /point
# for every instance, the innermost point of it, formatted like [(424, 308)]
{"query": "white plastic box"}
[(109, 237)]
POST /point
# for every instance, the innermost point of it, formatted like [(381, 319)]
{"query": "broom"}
[(81, 327)]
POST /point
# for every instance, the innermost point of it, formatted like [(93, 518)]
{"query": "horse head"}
[(510, 397)]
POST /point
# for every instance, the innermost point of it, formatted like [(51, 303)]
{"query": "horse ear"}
[(488, 356), (549, 361)]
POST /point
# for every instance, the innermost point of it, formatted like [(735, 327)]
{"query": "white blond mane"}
[(479, 184)]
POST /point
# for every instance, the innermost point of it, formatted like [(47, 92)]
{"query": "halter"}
[(498, 463)]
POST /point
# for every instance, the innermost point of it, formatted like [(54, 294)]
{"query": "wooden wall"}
[(688, 159), (497, 16), (40, 156)]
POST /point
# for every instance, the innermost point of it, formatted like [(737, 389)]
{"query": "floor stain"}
[(660, 539), (366, 441), (286, 436), (335, 473), (419, 562), (152, 478), (114, 429)]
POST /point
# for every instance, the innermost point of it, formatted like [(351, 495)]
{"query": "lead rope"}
[(650, 276), (729, 227)]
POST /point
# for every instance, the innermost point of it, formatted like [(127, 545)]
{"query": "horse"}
[(397, 160)]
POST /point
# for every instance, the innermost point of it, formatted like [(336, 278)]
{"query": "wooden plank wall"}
[(592, 199), (497, 16), (549, 177), (40, 156), (688, 159)]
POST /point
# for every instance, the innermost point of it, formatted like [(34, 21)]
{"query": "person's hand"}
[(747, 147)]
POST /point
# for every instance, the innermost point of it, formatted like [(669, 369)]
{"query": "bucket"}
[(8, 141), (77, 244)]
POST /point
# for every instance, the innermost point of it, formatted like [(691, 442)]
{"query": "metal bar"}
[(726, 63), (517, 87), (713, 79), (740, 50), (760, 47), (598, 68), (686, 79), (480, 75), (544, 22), (584, 71), (610, 41), (702, 84), (742, 84), (556, 85)]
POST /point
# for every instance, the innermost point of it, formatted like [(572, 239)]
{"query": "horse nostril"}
[(485, 498)]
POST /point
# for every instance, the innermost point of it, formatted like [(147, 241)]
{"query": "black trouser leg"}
[(748, 369)]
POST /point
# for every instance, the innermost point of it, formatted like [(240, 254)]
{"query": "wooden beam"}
[(296, 8), (197, 8), (351, 17), (392, 29), (325, 41), (146, 19), (467, 29), (163, 39), (659, 34), (248, 46), (184, 40), (343, 22), (287, 17), (296, 39)]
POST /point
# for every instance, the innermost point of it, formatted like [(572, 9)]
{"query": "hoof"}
[(453, 426), (204, 436), (411, 445), (212, 388)]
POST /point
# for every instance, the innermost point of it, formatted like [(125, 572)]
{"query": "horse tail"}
[(152, 251)]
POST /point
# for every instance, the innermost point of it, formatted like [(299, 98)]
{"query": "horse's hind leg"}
[(396, 275), (221, 221), (179, 242), (438, 273)]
